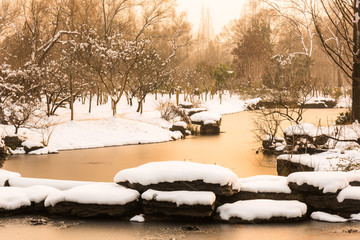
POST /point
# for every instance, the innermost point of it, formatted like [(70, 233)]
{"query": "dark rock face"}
[(235, 220), (3, 154), (154, 207), (27, 150), (209, 130), (71, 209), (286, 167), (197, 185), (178, 128), (244, 195), (306, 144), (12, 142)]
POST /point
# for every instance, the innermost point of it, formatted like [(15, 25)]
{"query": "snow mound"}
[(251, 102), (180, 124), (99, 193), (326, 217), (180, 197), (329, 182), (264, 183), (171, 171), (250, 210), (5, 175), (31, 144), (351, 193)]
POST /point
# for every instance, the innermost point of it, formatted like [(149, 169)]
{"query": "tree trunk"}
[(356, 67), (71, 99), (113, 105), (90, 100)]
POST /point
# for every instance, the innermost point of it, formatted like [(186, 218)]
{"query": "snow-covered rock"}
[(30, 146), (264, 183), (178, 175), (100, 199), (325, 182), (178, 203), (262, 211), (202, 117), (13, 198)]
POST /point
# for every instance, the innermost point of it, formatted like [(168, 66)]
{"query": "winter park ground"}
[(23, 226)]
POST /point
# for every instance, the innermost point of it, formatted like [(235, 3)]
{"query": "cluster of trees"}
[(58, 51)]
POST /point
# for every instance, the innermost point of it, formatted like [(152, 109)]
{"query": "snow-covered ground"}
[(99, 128)]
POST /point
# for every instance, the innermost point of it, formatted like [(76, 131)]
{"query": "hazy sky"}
[(221, 11)]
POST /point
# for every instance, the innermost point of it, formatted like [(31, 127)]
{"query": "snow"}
[(250, 210), (99, 128), (12, 198), (349, 192), (31, 144), (138, 218), (329, 182), (326, 217), (180, 124), (355, 217), (326, 161), (206, 116), (16, 181), (171, 171), (252, 102), (98, 193), (180, 197), (264, 183), (303, 129), (5, 175), (176, 135)]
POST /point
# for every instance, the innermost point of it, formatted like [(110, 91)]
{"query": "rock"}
[(179, 175), (178, 203), (244, 195), (209, 129), (91, 200), (12, 142), (179, 126), (31, 146), (72, 209), (4, 153), (286, 167), (197, 185)]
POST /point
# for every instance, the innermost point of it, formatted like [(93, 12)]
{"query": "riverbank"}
[(100, 129)]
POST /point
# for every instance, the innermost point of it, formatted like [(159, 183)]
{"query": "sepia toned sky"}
[(221, 11)]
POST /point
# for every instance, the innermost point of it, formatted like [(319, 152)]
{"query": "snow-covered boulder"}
[(30, 146), (322, 182), (179, 126), (100, 199), (178, 203), (263, 187), (262, 211), (206, 118), (19, 200), (3, 151), (178, 175)]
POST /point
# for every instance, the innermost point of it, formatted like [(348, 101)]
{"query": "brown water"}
[(234, 148)]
